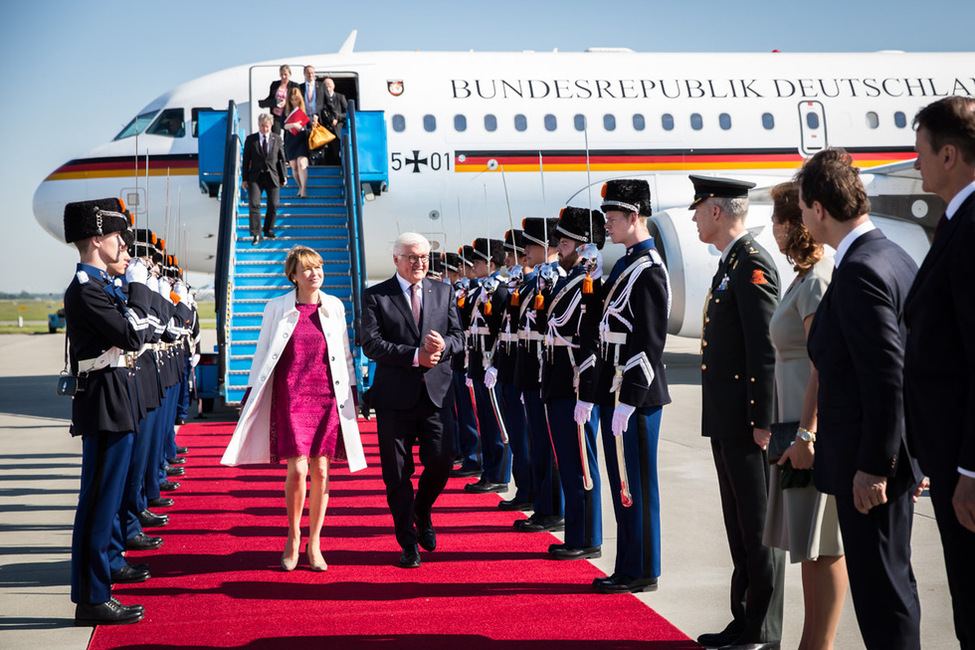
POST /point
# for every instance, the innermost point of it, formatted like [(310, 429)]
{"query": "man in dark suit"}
[(856, 343), (410, 328), (263, 169), (939, 364), (332, 114), (737, 382), (313, 91)]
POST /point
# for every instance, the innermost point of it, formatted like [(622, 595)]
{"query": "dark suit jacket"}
[(334, 109), (270, 101), (857, 344), (256, 163), (320, 94), (390, 338), (939, 368), (737, 357)]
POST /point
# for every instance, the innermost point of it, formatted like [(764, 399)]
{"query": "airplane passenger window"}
[(812, 121), (521, 122), (399, 123), (638, 122), (550, 122), (580, 122), (490, 123), (169, 123), (429, 123), (138, 123), (460, 123), (768, 121), (900, 119), (697, 122), (609, 122), (724, 121), (873, 121), (667, 121)]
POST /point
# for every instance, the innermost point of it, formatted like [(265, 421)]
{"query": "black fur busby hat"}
[(489, 250), (436, 265), (144, 243), (84, 219), (628, 195), (582, 225), (451, 261), (514, 241), (708, 187), (535, 230), (466, 255)]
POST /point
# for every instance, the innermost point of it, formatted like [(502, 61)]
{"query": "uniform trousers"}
[(254, 204), (183, 404), (105, 460), (398, 430), (497, 456), (468, 442), (546, 486), (958, 544), (878, 560), (583, 512), (638, 525), (514, 421), (155, 462), (757, 583)]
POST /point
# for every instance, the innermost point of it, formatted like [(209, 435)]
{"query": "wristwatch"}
[(805, 434)]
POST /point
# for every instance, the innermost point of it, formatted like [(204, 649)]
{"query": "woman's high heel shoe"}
[(288, 564), (316, 566)]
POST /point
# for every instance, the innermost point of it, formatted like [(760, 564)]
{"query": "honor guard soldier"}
[(570, 350), (488, 301), (468, 441), (103, 331), (541, 240), (631, 386), (737, 386), (504, 366)]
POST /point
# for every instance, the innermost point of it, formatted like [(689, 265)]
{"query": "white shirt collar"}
[(727, 249), (959, 199), (851, 237), (405, 285)]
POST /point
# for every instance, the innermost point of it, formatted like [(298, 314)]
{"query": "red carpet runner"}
[(217, 580)]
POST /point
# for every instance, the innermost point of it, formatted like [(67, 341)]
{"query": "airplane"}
[(478, 140)]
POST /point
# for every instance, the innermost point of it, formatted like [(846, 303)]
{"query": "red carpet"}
[(217, 581)]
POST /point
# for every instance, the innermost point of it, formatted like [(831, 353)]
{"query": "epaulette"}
[(82, 277)]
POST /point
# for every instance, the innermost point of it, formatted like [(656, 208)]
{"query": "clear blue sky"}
[(74, 72)]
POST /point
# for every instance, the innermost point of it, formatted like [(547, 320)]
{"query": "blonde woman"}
[(300, 403), (296, 141)]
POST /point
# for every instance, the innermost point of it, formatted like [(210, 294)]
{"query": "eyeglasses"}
[(417, 259)]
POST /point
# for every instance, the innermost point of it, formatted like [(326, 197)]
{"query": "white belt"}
[(559, 343), (508, 337), (530, 336), (619, 338), (110, 358), (486, 331)]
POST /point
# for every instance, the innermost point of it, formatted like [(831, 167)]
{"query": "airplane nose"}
[(49, 208)]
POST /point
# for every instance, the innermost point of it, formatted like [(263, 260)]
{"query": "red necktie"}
[(415, 303)]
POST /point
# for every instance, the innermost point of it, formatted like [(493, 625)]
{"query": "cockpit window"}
[(138, 123), (170, 123)]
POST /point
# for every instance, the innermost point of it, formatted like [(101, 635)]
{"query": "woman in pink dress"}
[(300, 403)]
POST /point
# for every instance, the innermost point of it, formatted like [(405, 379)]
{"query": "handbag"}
[(783, 435), (319, 137)]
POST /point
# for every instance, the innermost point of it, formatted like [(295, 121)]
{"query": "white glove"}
[(522, 398), (136, 272), (621, 416), (180, 290), (582, 412), (194, 360), (153, 284), (469, 382), (164, 288), (490, 377)]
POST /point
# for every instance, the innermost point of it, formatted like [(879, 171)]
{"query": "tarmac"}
[(40, 464)]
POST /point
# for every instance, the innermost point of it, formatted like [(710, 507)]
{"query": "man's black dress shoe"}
[(108, 613), (149, 519), (751, 645), (129, 573), (485, 487), (465, 472), (515, 504), (182, 451), (168, 486), (134, 608), (569, 553), (540, 524), (410, 558), (622, 584), (427, 537), (143, 542), (175, 471), (180, 420), (179, 460), (270, 235), (161, 502), (718, 639), (255, 241)]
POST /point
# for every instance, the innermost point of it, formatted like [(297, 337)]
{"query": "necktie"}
[(415, 303), (265, 144)]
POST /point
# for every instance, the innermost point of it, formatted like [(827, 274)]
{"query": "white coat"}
[(250, 443)]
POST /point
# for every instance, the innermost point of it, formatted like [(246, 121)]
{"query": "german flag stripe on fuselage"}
[(121, 166), (661, 159)]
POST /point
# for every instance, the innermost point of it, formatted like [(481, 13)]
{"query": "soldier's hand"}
[(761, 437), (869, 490), (469, 382), (153, 283), (180, 290), (963, 502), (621, 417), (490, 377), (136, 272), (582, 412), (165, 288)]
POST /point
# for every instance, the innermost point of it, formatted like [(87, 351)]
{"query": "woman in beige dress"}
[(803, 520)]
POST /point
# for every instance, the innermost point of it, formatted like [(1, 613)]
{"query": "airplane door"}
[(812, 126)]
